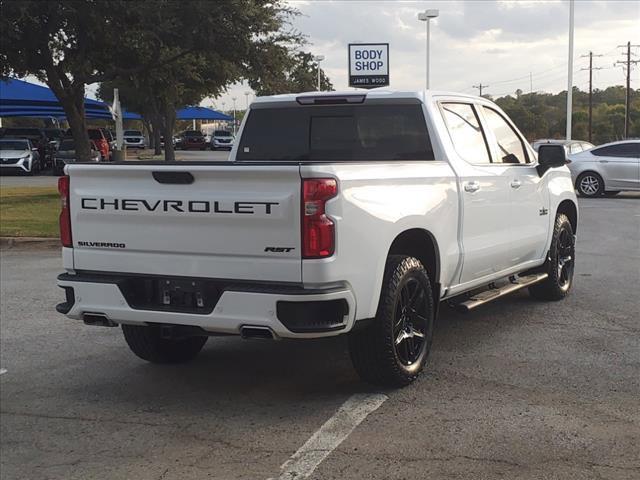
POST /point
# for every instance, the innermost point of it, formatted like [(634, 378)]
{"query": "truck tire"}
[(146, 343), (392, 351), (560, 265)]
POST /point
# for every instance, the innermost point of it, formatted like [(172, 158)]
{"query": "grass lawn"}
[(29, 212)]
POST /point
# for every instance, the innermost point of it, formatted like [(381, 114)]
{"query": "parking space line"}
[(3, 371), (330, 435)]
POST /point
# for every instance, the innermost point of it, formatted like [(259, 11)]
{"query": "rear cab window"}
[(382, 131)]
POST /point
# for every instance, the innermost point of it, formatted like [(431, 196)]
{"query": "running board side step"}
[(486, 296)]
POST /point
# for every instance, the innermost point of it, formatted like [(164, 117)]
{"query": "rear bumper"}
[(290, 312)]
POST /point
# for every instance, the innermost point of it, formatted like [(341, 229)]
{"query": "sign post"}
[(368, 65)]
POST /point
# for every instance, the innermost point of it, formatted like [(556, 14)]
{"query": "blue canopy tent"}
[(23, 99), (201, 113)]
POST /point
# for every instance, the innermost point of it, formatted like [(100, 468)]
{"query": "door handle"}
[(471, 187), (516, 184), (603, 161)]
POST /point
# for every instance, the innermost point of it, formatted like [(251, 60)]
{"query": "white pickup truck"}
[(337, 213)]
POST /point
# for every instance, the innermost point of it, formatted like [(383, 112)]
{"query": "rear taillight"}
[(318, 236), (65, 213)]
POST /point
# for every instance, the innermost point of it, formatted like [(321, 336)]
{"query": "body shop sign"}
[(368, 65)]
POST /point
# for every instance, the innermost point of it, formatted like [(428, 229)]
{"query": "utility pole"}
[(627, 105), (591, 69), (480, 86), (530, 82)]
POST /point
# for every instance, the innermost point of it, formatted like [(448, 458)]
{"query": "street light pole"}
[(318, 59), (426, 16), (570, 72), (246, 96), (234, 115)]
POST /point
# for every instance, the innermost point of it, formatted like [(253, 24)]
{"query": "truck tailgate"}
[(238, 222)]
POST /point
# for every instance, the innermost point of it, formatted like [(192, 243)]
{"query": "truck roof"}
[(378, 93)]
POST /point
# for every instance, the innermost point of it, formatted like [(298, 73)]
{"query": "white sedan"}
[(607, 169)]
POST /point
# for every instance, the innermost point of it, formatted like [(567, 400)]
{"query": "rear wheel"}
[(147, 343), (590, 184), (393, 350), (560, 264)]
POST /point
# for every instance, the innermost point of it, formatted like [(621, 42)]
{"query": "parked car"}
[(67, 154), (571, 146), (133, 139), (38, 139), (191, 139), (339, 213), (221, 139), (99, 138), (111, 140), (55, 136), (19, 155), (607, 169)]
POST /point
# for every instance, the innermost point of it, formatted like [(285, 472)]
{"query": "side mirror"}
[(551, 156)]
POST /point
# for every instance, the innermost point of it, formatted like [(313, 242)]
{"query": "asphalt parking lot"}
[(517, 389)]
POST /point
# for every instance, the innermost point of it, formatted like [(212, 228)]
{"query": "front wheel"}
[(559, 265), (590, 184), (393, 350), (148, 344)]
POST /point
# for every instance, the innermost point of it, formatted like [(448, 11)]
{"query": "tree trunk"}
[(149, 130), (156, 139), (158, 128), (71, 97), (169, 122)]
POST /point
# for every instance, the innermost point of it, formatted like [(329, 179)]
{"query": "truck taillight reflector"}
[(318, 230), (65, 213)]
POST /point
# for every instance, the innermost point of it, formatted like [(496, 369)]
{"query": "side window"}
[(510, 147), (575, 148), (622, 150), (466, 134)]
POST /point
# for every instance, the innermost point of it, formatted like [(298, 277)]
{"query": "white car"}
[(133, 139), (338, 213), (19, 155), (607, 169), (221, 139)]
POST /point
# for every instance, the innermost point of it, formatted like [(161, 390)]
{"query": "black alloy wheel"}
[(410, 322)]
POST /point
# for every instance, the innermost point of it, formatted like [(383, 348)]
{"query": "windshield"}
[(192, 133), (133, 133), (221, 133), (95, 134), (14, 145), (22, 132), (53, 134), (67, 145), (336, 133)]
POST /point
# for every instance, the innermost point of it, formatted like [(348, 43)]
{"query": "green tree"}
[(247, 39), (298, 73), (175, 52)]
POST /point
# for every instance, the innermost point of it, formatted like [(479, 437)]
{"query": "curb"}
[(34, 243)]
